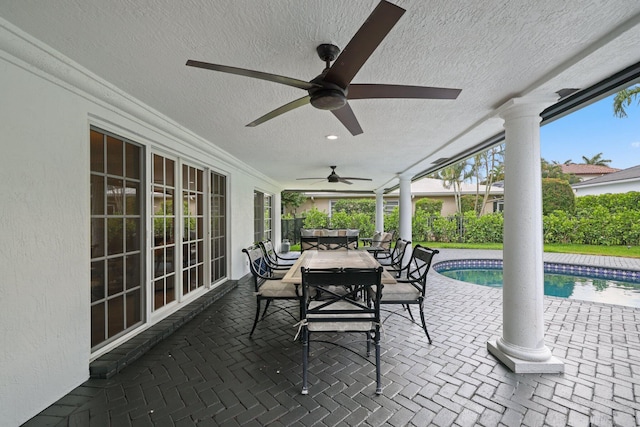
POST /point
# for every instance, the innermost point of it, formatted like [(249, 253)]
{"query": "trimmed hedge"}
[(609, 219), (557, 195)]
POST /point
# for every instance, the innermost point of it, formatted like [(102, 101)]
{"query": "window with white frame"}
[(390, 205), (262, 216)]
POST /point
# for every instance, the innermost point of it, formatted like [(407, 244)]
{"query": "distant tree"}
[(623, 99), (596, 160), (454, 176), (292, 200), (493, 164), (554, 170)]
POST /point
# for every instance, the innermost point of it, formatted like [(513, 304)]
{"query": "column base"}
[(551, 366)]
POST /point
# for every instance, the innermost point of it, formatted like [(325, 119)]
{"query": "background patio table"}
[(334, 259)]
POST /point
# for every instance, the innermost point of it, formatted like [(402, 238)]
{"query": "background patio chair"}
[(410, 287), (266, 286), (341, 312), (381, 243), (275, 260), (392, 261)]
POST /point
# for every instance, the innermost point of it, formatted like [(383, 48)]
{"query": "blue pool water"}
[(582, 283)]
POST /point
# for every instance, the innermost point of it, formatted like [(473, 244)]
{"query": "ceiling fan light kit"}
[(330, 90)]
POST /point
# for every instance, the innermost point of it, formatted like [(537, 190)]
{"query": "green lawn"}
[(620, 251)]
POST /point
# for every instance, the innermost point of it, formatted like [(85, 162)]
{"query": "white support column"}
[(379, 210), (522, 347), (405, 207)]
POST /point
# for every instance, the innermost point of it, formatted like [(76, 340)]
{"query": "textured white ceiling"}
[(492, 49)]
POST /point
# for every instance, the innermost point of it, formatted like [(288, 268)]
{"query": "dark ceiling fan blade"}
[(344, 181), (288, 81), (281, 110), (348, 119), (374, 91), (364, 43), (355, 179), (302, 179)]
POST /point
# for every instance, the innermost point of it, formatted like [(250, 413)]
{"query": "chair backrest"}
[(383, 240), (419, 266), (260, 268), (398, 252), (267, 249), (346, 304), (333, 243)]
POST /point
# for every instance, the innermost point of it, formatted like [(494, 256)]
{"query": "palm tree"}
[(454, 176), (596, 160), (623, 99)]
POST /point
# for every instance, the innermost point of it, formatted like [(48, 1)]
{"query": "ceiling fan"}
[(332, 89), (334, 177)]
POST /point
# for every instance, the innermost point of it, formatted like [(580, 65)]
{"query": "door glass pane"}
[(132, 205), (133, 161), (114, 156), (97, 151), (158, 169), (115, 314), (115, 276), (97, 237), (97, 280), (97, 195), (97, 324), (133, 234)]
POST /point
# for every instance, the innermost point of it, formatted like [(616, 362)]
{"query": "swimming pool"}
[(596, 284)]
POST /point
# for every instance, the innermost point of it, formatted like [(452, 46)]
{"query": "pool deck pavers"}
[(209, 372)]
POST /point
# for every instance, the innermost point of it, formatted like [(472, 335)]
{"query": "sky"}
[(592, 130)]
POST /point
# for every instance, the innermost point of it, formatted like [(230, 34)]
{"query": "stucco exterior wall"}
[(613, 188), (46, 110)]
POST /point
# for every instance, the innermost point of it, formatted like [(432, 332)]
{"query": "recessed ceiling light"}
[(332, 136)]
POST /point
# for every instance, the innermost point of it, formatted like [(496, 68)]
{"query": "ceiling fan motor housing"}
[(328, 97)]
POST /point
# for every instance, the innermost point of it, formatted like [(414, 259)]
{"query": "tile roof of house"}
[(583, 169), (621, 175)]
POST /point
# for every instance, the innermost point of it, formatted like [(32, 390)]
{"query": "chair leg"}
[(255, 321), (305, 359), (368, 344), (377, 345), (408, 308), (424, 324), (265, 308)]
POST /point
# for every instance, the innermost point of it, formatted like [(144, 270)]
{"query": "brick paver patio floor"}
[(209, 372)]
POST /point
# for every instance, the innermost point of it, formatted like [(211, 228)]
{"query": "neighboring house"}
[(587, 172), (424, 188), (622, 181)]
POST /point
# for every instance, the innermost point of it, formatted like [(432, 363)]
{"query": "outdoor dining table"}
[(334, 259)]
